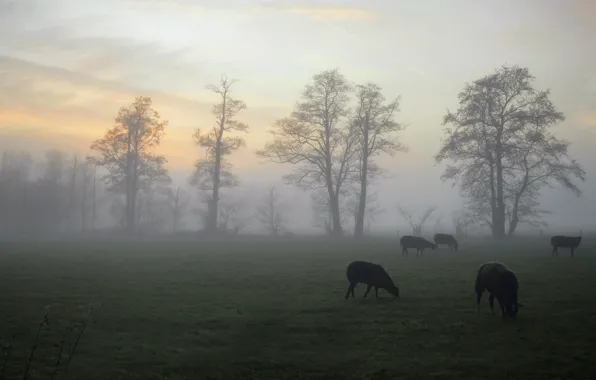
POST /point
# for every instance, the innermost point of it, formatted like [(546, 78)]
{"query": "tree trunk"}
[(213, 204), (133, 194), (514, 218), (335, 214), (499, 220), (359, 230), (128, 182)]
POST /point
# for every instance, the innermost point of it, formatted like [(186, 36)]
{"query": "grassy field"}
[(276, 310)]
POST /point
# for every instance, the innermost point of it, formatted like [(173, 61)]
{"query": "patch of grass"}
[(276, 310)]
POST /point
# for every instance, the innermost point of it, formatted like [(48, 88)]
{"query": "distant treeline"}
[(498, 145)]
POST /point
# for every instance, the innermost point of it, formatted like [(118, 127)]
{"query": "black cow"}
[(371, 275), (501, 283), (564, 242), (408, 241), (441, 238)]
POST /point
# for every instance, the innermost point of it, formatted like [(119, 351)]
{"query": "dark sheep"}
[(501, 283), (448, 239), (371, 275), (408, 241), (565, 242)]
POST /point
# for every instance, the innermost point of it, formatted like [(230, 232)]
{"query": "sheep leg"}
[(491, 302), (368, 288), (502, 310), (376, 291), (350, 290), (478, 297)]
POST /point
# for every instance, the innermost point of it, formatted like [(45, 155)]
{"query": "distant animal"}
[(409, 241), (448, 239), (564, 242), (501, 283), (373, 275)]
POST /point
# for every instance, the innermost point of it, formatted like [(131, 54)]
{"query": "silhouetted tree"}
[(269, 214), (376, 128), (318, 141), (179, 201), (371, 212), (232, 215), (154, 210), (124, 152), (503, 151), (213, 172), (416, 224)]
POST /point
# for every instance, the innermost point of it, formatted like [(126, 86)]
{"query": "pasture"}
[(259, 309)]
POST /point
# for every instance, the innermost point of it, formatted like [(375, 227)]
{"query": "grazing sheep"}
[(371, 275), (448, 239), (408, 241), (501, 283), (564, 242)]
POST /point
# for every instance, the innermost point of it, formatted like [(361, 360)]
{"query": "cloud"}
[(336, 13), (323, 10), (43, 106)]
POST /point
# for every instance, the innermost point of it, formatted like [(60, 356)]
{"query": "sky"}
[(67, 66)]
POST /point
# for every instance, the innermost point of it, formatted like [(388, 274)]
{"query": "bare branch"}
[(502, 149), (317, 140)]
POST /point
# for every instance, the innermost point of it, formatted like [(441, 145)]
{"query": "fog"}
[(67, 72)]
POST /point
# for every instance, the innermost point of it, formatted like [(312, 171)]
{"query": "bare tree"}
[(416, 223), (268, 213), (373, 209), (124, 152), (503, 151), (322, 213), (231, 215), (318, 141), (376, 128), (212, 173), (462, 221), (179, 201)]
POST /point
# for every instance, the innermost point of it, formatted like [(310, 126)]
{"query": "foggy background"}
[(67, 66)]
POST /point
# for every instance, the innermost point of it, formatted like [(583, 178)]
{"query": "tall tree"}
[(503, 151), (213, 172), (125, 152), (376, 128), (373, 209), (318, 140)]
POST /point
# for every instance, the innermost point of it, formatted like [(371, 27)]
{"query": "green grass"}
[(276, 310)]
